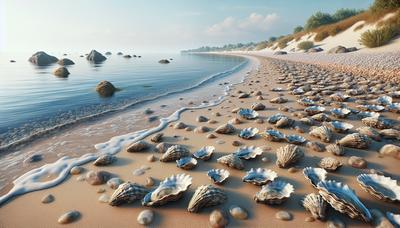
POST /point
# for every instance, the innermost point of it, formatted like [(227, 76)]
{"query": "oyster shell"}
[(206, 196), (306, 102), (312, 110), (316, 205), (323, 133), (339, 97), (275, 118), (368, 114), (340, 127), (340, 112), (284, 122), (321, 117), (295, 139), (248, 133), (377, 122), (257, 106), (390, 133), (231, 160), (259, 176), (315, 175), (274, 192), (248, 152), (394, 219), (343, 199), (225, 129), (381, 187), (170, 189), (384, 100), (174, 153), (335, 149), (355, 140), (370, 132), (278, 100), (273, 135), (248, 114), (394, 107), (288, 155), (204, 153), (373, 108), (186, 163), (218, 176), (329, 163), (127, 192)]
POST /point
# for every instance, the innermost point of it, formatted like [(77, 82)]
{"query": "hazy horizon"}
[(150, 26)]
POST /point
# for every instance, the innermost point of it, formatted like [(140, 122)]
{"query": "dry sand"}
[(28, 211)]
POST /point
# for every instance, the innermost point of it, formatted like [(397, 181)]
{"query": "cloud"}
[(253, 24)]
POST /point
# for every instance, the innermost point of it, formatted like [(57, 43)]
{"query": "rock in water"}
[(97, 177), (238, 212), (283, 215), (65, 62), (69, 217), (95, 57), (105, 89), (145, 217), (164, 61), (48, 198), (41, 58), (61, 72), (218, 219)]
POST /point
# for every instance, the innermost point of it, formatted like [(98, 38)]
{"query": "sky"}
[(151, 25)]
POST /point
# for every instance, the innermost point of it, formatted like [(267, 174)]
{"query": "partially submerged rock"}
[(61, 72), (65, 62), (95, 57), (41, 58), (105, 88), (164, 61)]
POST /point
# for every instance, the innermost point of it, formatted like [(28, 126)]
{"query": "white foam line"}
[(33, 180)]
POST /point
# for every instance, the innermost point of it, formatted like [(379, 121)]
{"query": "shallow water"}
[(33, 100)]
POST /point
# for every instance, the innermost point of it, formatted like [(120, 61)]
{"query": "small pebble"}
[(236, 143), (238, 212), (104, 198), (76, 170), (80, 178), (357, 162), (48, 198), (69, 217), (220, 141), (218, 219), (293, 170), (283, 215), (211, 136), (113, 183), (145, 217), (101, 190), (149, 182), (151, 158)]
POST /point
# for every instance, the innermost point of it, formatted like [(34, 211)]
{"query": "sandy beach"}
[(76, 194)]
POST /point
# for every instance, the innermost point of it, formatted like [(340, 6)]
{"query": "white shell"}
[(383, 188), (274, 192), (368, 114), (340, 127), (296, 139), (394, 107), (323, 133), (174, 153), (248, 133), (206, 196), (306, 102), (259, 176), (231, 160), (288, 155), (204, 153), (316, 205), (315, 175), (377, 122), (273, 135), (275, 118), (312, 110), (218, 176), (171, 189), (186, 163), (384, 100), (340, 112), (373, 108), (248, 152), (343, 199), (248, 114), (321, 117)]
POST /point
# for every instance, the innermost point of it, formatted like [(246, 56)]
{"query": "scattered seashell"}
[(225, 129), (371, 108), (248, 114), (138, 146), (377, 122), (206, 196), (314, 175), (316, 205), (312, 110), (171, 189), (145, 217), (329, 163), (259, 176), (218, 219), (204, 153), (340, 112), (370, 132), (316, 146), (384, 100), (355, 140), (395, 107), (238, 212), (149, 182), (104, 160), (186, 163), (335, 149), (174, 153), (393, 218), (278, 100), (113, 183), (275, 118), (340, 127), (323, 133), (163, 147), (248, 133), (235, 121), (381, 187), (97, 177), (232, 161), (275, 192), (248, 152), (390, 133), (368, 114), (390, 150), (306, 102), (288, 155), (157, 138), (284, 215), (127, 193), (295, 139), (218, 176), (273, 135), (257, 106), (339, 97), (69, 217), (284, 122), (47, 199)]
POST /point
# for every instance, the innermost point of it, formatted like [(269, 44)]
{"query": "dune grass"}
[(305, 45)]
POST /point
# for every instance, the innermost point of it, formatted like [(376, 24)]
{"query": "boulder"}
[(105, 88), (61, 72), (338, 49), (315, 49), (95, 56), (107, 53), (280, 53), (41, 58), (127, 56), (65, 62), (119, 53), (351, 49), (164, 61)]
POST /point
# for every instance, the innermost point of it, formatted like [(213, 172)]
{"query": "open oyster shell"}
[(275, 118), (370, 132), (231, 160), (312, 110), (335, 149), (339, 97), (372, 108), (248, 133), (382, 187), (206, 196), (174, 153), (322, 132), (306, 102), (248, 152), (340, 112), (259, 176), (288, 155), (204, 153), (384, 100), (395, 107), (321, 117), (127, 193), (339, 127), (274, 192), (316, 205), (186, 163), (273, 135), (368, 114), (295, 139), (248, 114), (171, 189), (278, 100), (314, 175), (218, 176), (343, 199)]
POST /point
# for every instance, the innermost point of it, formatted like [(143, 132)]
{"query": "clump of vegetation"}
[(282, 42), (261, 45), (385, 5), (298, 29), (318, 19), (305, 45), (378, 37), (321, 36)]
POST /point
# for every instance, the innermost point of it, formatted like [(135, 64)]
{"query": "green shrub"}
[(305, 45), (321, 36), (378, 37), (318, 19), (272, 39), (379, 5), (282, 42), (298, 29), (261, 45), (342, 14)]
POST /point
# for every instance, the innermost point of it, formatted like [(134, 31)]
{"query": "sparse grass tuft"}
[(321, 36), (305, 45), (378, 37), (282, 42)]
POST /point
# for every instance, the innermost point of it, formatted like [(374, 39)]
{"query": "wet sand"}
[(28, 211)]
